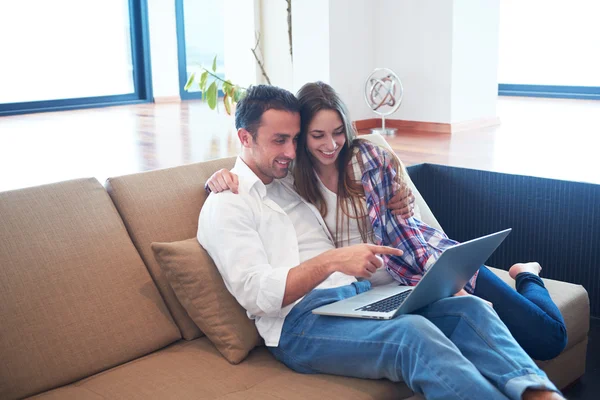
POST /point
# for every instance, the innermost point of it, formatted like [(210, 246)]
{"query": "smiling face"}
[(270, 151), (325, 138)]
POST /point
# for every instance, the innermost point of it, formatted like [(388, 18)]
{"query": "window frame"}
[(549, 91), (142, 75)]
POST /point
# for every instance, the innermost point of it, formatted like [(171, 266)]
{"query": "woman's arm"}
[(221, 181)]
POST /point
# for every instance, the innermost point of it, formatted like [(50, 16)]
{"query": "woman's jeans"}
[(529, 313), (454, 348)]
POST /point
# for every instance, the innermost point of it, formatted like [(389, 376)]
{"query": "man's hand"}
[(223, 180), (403, 203), (360, 260), (463, 292)]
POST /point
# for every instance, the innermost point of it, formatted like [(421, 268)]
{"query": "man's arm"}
[(403, 202), (228, 232), (359, 260)]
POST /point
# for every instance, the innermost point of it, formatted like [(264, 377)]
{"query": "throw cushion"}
[(199, 287)]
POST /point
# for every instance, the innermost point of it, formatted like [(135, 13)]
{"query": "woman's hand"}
[(403, 203), (223, 180)]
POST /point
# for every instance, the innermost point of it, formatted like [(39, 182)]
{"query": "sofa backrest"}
[(422, 210), (163, 206), (75, 296)]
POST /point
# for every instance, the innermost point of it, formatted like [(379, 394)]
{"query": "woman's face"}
[(325, 137)]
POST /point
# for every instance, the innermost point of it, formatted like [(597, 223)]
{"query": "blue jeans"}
[(454, 348), (529, 313)]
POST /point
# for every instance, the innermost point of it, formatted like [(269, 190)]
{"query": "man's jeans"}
[(454, 348)]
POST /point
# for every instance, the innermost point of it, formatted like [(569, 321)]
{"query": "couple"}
[(280, 261)]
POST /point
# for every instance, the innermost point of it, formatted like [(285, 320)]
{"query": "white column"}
[(275, 43), (242, 21), (352, 38), (475, 47), (310, 21)]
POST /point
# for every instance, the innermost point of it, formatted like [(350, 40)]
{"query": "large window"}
[(550, 48), (200, 37), (64, 54)]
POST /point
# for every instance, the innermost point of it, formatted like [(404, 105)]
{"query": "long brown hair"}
[(315, 97)]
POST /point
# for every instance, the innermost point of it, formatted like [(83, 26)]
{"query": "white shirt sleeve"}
[(228, 230)]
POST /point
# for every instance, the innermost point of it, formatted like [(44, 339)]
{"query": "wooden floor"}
[(541, 137)]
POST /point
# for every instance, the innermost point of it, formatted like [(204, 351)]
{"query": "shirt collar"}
[(250, 180), (247, 177)]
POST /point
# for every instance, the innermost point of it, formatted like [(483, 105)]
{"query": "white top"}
[(381, 276), (254, 243)]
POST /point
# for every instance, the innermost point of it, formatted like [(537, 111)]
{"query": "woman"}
[(349, 180)]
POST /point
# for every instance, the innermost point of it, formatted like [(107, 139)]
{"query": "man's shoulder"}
[(246, 197)]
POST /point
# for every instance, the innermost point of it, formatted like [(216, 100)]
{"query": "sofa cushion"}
[(200, 289), (163, 206), (75, 296), (196, 370)]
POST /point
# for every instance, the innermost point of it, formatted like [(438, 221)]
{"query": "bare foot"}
[(541, 395), (531, 267)]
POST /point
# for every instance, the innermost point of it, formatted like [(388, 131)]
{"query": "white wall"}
[(414, 39), (352, 54), (310, 21), (445, 52), (275, 43), (163, 48), (475, 44), (243, 18)]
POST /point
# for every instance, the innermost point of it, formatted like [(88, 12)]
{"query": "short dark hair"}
[(257, 101)]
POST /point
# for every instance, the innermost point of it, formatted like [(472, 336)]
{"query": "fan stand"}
[(383, 130)]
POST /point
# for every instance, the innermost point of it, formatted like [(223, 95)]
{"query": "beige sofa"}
[(87, 313)]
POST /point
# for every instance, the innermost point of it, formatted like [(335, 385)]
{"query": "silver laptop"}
[(449, 274)]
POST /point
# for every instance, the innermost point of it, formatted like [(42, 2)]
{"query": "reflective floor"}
[(540, 137)]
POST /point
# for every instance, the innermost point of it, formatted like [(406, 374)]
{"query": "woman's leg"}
[(529, 313)]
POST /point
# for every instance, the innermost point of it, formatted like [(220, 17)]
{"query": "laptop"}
[(449, 274)]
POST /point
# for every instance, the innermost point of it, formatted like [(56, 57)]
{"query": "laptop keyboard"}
[(388, 304)]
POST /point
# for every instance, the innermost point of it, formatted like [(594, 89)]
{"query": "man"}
[(273, 251)]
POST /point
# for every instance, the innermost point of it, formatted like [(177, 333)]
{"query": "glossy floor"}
[(540, 137)]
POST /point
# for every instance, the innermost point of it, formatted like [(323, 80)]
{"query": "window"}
[(549, 48), (72, 54), (200, 37)]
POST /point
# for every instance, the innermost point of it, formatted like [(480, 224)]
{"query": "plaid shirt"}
[(421, 244)]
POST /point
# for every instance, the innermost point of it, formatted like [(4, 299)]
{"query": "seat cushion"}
[(199, 287), (163, 206), (572, 301), (196, 370), (75, 296)]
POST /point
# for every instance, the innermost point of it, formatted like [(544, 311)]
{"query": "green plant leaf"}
[(202, 83), (203, 79), (189, 81), (227, 103), (211, 95), (227, 86), (214, 66)]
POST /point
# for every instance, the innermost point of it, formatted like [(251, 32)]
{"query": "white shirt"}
[(254, 243), (381, 276)]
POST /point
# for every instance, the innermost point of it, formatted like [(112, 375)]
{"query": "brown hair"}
[(315, 97)]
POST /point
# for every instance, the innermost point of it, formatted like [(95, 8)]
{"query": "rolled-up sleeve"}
[(228, 230)]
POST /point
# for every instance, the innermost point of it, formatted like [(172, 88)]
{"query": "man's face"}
[(274, 147)]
